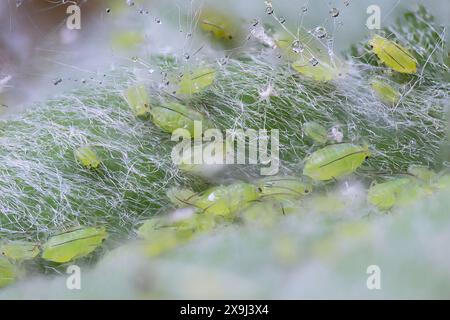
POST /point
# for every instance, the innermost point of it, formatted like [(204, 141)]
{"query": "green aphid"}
[(283, 187), (181, 197), (73, 243), (393, 55), (423, 173), (314, 68), (173, 115), (385, 92), (325, 203), (196, 81), (334, 161), (212, 161), (412, 193), (160, 239), (316, 132), (262, 213), (385, 195), (222, 27), (127, 40), (163, 240), (87, 157), (267, 212), (19, 250), (138, 100), (225, 200), (9, 272)]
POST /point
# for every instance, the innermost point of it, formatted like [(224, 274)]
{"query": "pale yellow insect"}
[(73, 243), (334, 161), (138, 100), (385, 92), (393, 55), (19, 250), (87, 157), (8, 272), (196, 81)]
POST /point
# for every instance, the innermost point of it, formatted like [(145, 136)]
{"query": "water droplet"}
[(158, 20), (57, 81), (130, 3), (297, 46), (282, 20), (347, 3), (186, 56), (223, 61), (304, 9), (334, 12), (255, 22), (108, 10), (269, 10), (141, 11), (313, 61), (18, 3), (189, 35), (320, 32), (83, 80)]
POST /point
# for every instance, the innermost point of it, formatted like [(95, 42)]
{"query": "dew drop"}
[(297, 46), (269, 10), (130, 3), (83, 80), (186, 56), (158, 20), (57, 81), (19, 3), (255, 22), (108, 10), (304, 9), (334, 12), (320, 32), (282, 20), (313, 61), (346, 3)]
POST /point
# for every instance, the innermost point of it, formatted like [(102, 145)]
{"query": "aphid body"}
[(316, 132), (393, 55), (334, 161), (87, 157), (73, 243), (19, 250)]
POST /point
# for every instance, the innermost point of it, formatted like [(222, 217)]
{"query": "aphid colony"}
[(261, 202)]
